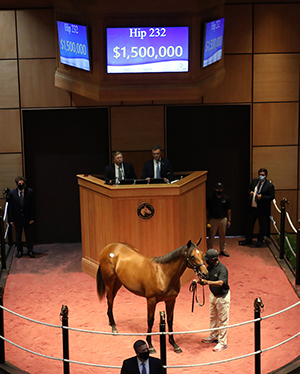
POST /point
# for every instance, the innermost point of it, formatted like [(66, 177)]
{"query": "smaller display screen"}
[(147, 49), (213, 41), (73, 45)]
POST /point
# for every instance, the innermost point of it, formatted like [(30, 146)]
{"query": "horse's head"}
[(194, 258)]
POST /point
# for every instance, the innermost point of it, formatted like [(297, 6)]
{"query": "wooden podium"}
[(155, 218)]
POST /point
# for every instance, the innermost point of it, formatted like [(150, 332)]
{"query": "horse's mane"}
[(170, 256)]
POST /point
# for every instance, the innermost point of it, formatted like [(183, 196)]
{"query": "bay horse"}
[(156, 278)]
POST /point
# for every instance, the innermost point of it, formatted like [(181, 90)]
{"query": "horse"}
[(156, 278)]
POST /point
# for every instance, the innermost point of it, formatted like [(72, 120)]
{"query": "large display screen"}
[(213, 41), (147, 49), (73, 45)]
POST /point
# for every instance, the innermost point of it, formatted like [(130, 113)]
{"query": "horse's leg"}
[(151, 304), (111, 291), (170, 314)]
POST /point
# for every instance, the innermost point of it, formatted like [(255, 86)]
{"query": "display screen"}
[(147, 49), (213, 41), (73, 45)]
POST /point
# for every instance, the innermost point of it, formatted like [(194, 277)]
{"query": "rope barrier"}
[(281, 311), (287, 215), (214, 362), (152, 333), (274, 224), (279, 344), (276, 207), (286, 238), (159, 333), (29, 319), (290, 222), (29, 351)]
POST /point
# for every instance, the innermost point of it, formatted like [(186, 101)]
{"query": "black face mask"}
[(218, 193), (21, 186), (144, 355)]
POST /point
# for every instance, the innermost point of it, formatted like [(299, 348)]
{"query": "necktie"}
[(143, 368), (21, 197), (120, 173), (157, 170)]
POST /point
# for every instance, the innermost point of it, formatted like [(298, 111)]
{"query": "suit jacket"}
[(20, 215), (166, 170), (109, 172), (130, 366), (267, 195)]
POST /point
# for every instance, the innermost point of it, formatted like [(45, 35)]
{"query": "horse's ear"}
[(189, 244), (199, 241)]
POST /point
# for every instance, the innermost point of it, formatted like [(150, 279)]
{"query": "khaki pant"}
[(217, 225), (219, 316)]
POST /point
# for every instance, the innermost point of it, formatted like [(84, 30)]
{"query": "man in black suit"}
[(118, 170), (142, 363), (261, 193), (21, 214), (158, 167)]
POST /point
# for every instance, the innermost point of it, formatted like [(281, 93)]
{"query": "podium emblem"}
[(145, 211)]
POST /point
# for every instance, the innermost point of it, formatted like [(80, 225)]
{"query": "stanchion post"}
[(163, 349), (65, 332), (3, 254), (2, 350), (282, 227), (257, 305), (297, 279)]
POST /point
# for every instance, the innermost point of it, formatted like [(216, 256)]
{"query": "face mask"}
[(21, 186), (261, 177), (144, 355), (219, 193)]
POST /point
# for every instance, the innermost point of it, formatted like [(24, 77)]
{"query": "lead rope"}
[(193, 289)]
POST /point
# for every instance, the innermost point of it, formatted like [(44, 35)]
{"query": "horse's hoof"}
[(177, 349), (152, 350), (114, 330)]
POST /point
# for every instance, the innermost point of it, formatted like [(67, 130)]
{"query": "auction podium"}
[(155, 218)]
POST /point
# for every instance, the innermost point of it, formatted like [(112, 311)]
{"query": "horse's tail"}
[(100, 284)]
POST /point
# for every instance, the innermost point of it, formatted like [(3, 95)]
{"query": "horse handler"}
[(219, 299)]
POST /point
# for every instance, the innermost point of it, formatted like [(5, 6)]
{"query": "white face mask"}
[(261, 177)]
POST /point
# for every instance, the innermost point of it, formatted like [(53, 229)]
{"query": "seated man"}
[(158, 167), (118, 170)]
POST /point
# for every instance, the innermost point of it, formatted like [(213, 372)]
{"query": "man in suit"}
[(261, 194), (21, 214), (142, 363), (158, 167), (118, 170)]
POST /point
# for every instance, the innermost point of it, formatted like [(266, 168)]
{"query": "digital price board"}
[(73, 45), (213, 41), (147, 49)]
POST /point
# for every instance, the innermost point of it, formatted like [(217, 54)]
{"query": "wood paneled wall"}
[(262, 62)]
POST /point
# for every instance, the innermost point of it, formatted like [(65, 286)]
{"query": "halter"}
[(190, 265)]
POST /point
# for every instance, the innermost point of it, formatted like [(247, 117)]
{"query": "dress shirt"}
[(141, 366), (117, 172), (256, 192), (155, 166)]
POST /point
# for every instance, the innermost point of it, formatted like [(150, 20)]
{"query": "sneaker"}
[(219, 347), (224, 253), (209, 340)]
